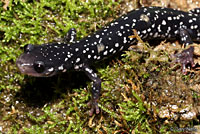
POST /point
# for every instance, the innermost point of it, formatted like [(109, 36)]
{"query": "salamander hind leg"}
[(96, 89), (186, 56)]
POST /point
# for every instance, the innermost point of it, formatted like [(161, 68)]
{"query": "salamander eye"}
[(39, 66), (28, 48)]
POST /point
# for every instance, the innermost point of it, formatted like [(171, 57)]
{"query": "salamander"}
[(150, 23)]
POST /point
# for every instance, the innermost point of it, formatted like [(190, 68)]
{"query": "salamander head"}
[(42, 61)]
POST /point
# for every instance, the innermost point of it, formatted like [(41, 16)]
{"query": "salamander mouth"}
[(26, 68)]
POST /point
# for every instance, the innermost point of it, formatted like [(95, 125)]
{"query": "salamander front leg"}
[(96, 89), (70, 36), (186, 56)]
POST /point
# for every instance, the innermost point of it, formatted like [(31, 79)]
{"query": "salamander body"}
[(150, 23)]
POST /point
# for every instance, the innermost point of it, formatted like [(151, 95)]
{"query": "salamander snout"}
[(27, 64)]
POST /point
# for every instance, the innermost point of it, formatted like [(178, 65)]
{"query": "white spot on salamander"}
[(60, 67), (97, 36), (77, 60), (51, 69), (164, 22), (76, 49), (89, 56), (116, 44), (105, 53)]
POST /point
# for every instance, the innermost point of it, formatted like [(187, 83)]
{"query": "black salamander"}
[(150, 22)]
